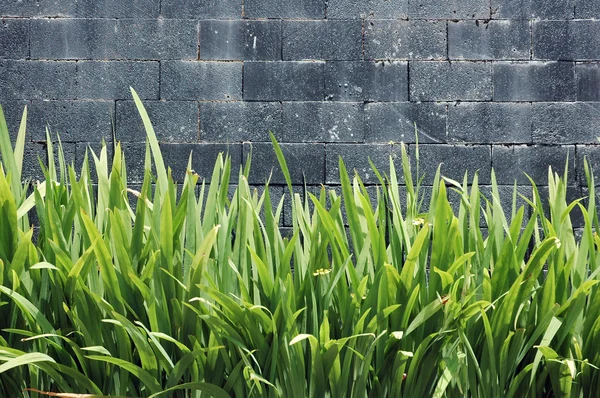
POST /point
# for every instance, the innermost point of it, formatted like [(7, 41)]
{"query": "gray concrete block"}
[(455, 161), (511, 163), (480, 40), (395, 121), (240, 40), (303, 160), (25, 79), (452, 9), (528, 9), (73, 120), (33, 154), (534, 81), (588, 81), (210, 81), (566, 123), (394, 39), (37, 8), (117, 9), (204, 155), (173, 121), (305, 9), (326, 40), (322, 122), (14, 38), (239, 121), (366, 81), (112, 79), (587, 9), (114, 39), (566, 40), (445, 81), (489, 122), (356, 159), (360, 9), (591, 154), (13, 111), (202, 9), (287, 81)]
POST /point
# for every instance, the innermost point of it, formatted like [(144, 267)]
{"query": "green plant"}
[(196, 294)]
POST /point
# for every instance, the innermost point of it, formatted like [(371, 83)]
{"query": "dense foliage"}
[(193, 290)]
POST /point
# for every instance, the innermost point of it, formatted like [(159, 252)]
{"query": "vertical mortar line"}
[(198, 40), (198, 125), (531, 39), (159, 7), (159, 79), (447, 41)]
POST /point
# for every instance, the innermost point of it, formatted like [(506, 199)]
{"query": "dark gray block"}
[(239, 121), (534, 81), (566, 40), (512, 163), (13, 111), (322, 122), (359, 9), (366, 81), (455, 161), (117, 8), (202, 9), (240, 40), (591, 154), (190, 80), (113, 39), (112, 79), (176, 157), (283, 81), (306, 9), (393, 39), (588, 82), (489, 122), (451, 9), (37, 79), (173, 121), (528, 9), (72, 120), (566, 123), (302, 160), (37, 8), (395, 121), (356, 159), (33, 153), (445, 81), (327, 40), (587, 9), (478, 40), (14, 38)]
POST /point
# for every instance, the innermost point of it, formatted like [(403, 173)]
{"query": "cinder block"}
[(528, 9), (33, 154), (395, 39), (208, 81), (117, 8), (366, 81), (176, 157), (489, 122), (566, 123), (283, 81), (566, 40), (445, 81), (322, 122), (395, 121), (305, 9), (588, 82), (112, 79), (481, 40), (534, 81), (202, 9), (356, 159), (14, 42), (114, 39), (303, 161), (173, 121), (325, 40), (513, 162), (360, 9), (37, 8), (37, 79), (240, 40), (239, 121), (587, 9), (13, 111), (455, 161), (451, 9), (589, 153)]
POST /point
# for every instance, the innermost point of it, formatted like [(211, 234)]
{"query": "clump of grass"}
[(191, 293)]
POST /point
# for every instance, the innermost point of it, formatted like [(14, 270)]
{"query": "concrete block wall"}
[(512, 85)]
